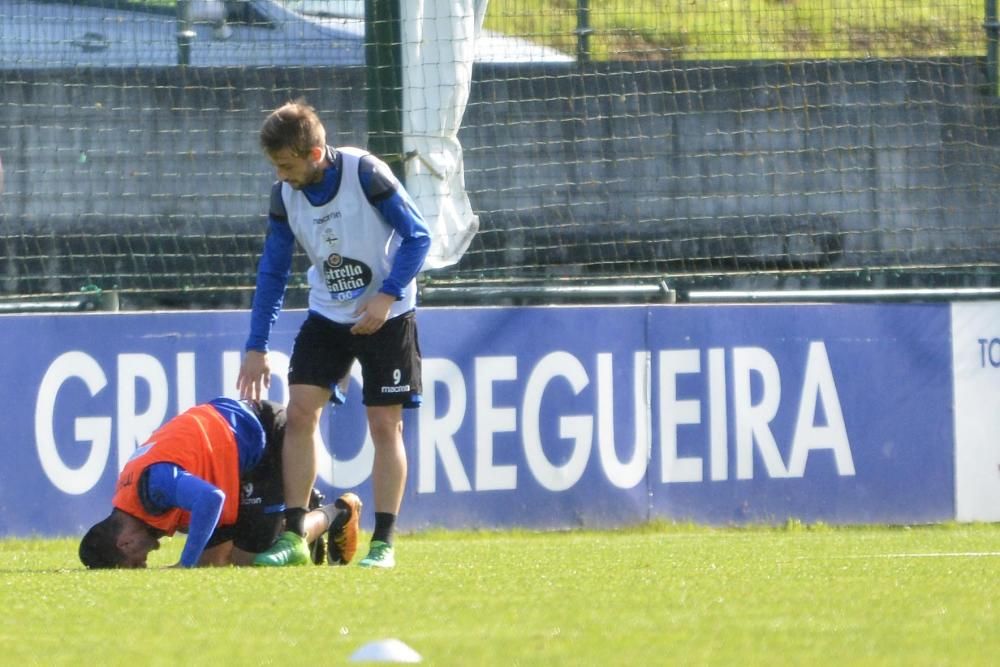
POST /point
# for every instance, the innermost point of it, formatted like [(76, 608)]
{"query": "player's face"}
[(298, 170), (135, 541)]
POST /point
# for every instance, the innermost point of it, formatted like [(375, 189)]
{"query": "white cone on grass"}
[(386, 650)]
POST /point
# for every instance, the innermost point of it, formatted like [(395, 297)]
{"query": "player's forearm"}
[(405, 268), (403, 216), (204, 501)]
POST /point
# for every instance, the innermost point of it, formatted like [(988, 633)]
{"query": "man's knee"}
[(302, 419), (385, 424)]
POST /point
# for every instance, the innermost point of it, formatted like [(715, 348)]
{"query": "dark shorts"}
[(262, 506), (262, 511), (324, 352)]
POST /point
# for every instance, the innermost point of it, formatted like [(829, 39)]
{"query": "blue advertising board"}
[(836, 413), (544, 417)]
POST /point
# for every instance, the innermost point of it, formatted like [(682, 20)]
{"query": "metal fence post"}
[(992, 26), (583, 31), (185, 33), (384, 65)]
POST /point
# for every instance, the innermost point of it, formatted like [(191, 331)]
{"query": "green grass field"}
[(741, 29), (751, 29), (657, 595)]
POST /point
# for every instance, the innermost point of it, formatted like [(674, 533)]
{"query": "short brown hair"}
[(293, 125), (99, 547)]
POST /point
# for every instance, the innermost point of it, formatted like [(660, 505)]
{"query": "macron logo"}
[(334, 215)]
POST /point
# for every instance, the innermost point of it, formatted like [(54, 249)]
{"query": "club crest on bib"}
[(346, 278), (330, 239)]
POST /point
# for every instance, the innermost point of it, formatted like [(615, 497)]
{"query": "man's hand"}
[(255, 375), (374, 314)]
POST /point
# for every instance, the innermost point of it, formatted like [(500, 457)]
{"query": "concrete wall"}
[(614, 168)]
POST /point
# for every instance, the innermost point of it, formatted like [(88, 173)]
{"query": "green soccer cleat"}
[(290, 549), (380, 554)]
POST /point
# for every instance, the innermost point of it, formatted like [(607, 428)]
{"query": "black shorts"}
[(262, 506), (262, 517), (324, 352)]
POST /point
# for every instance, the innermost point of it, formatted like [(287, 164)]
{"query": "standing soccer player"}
[(366, 242)]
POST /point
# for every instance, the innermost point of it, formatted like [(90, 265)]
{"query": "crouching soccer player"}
[(189, 475)]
